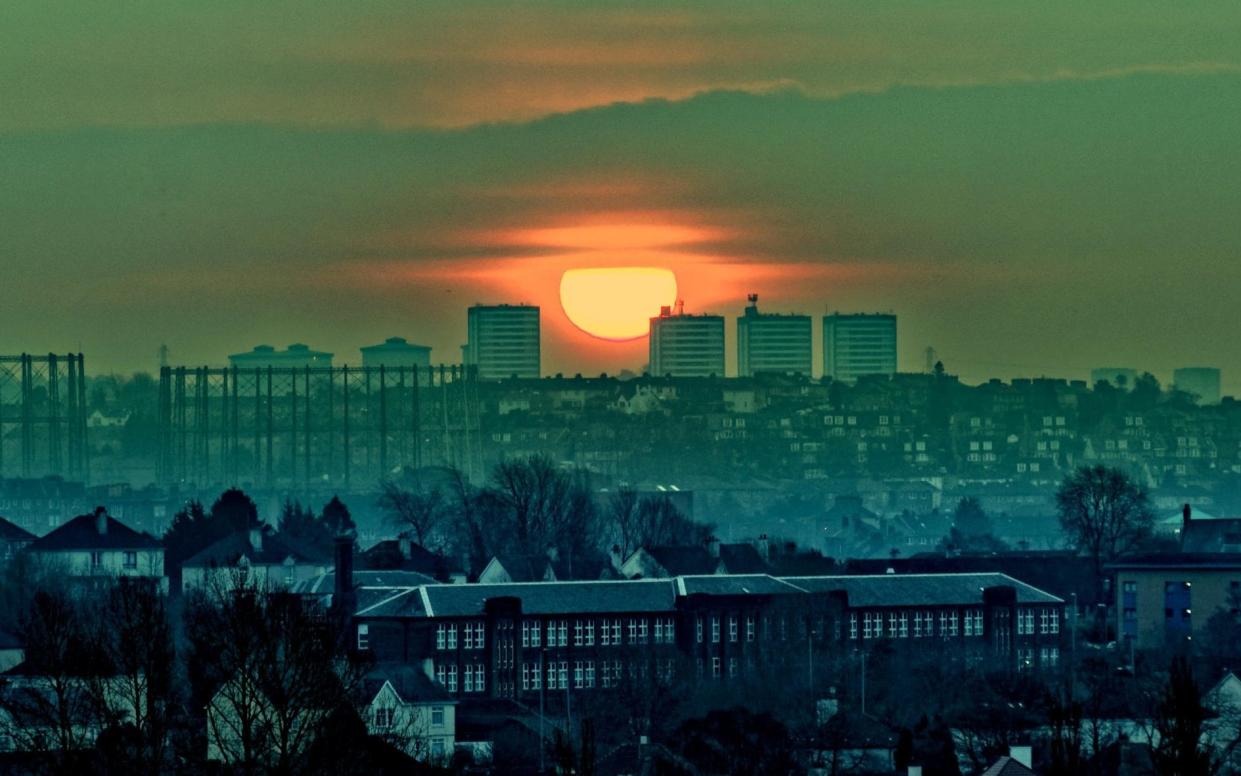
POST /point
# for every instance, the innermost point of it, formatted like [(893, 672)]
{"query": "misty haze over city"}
[(599, 388)]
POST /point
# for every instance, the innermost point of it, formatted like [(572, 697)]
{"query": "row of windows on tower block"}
[(474, 677)]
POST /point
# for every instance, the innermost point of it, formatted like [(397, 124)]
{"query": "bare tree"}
[(622, 516), (413, 506), (1104, 513), (661, 523), (272, 674)]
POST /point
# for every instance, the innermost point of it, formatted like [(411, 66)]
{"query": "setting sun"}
[(616, 303)]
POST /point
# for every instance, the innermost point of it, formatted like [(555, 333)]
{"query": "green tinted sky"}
[(1032, 188)]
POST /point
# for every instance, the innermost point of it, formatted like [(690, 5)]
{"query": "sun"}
[(616, 303)]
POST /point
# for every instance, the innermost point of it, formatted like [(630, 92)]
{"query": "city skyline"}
[(346, 176)]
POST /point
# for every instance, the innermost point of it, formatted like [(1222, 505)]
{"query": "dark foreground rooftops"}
[(98, 531)]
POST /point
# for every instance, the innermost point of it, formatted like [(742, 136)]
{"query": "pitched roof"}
[(536, 598), (273, 550), (411, 684), (742, 559), (325, 584), (1172, 560), (919, 589), (1218, 535), (389, 555), (82, 533), (735, 584), (1007, 766), (9, 532), (677, 559)]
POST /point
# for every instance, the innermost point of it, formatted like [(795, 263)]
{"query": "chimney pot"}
[(405, 546), (713, 546)]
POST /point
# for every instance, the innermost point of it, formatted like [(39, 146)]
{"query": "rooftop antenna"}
[(680, 307)]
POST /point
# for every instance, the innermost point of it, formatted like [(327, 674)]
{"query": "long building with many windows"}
[(516, 640)]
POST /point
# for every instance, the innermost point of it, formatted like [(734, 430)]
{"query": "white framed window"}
[(853, 625), (437, 716), (579, 633), (579, 674), (698, 628), (364, 637), (616, 632), (130, 559), (903, 632), (715, 629), (715, 668), (563, 672), (732, 628), (643, 633), (384, 716), (605, 634), (469, 638), (943, 623), (953, 623), (468, 684), (892, 625), (563, 630), (590, 674), (749, 627), (633, 631), (590, 633)]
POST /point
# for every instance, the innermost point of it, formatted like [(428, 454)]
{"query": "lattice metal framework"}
[(313, 426), (43, 416)]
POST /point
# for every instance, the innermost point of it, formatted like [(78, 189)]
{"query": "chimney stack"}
[(344, 598), (256, 538), (764, 549), (404, 543), (1186, 517), (713, 546), (101, 521)]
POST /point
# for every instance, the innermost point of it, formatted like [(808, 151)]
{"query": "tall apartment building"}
[(859, 344), (1201, 381), (686, 345), (503, 341), (771, 343)]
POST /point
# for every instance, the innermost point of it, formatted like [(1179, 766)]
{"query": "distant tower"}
[(163, 356), (772, 343), (930, 359)]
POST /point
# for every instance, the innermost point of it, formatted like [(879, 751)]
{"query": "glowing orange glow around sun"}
[(616, 303)]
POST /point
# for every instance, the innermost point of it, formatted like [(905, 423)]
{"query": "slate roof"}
[(325, 584), (684, 559), (410, 683), (1218, 535), (735, 584), (275, 548), (742, 559), (524, 568), (386, 555), (536, 598), (1007, 766), (919, 589), (80, 533), (10, 532)]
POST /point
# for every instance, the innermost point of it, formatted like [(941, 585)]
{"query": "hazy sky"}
[(1032, 188)]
